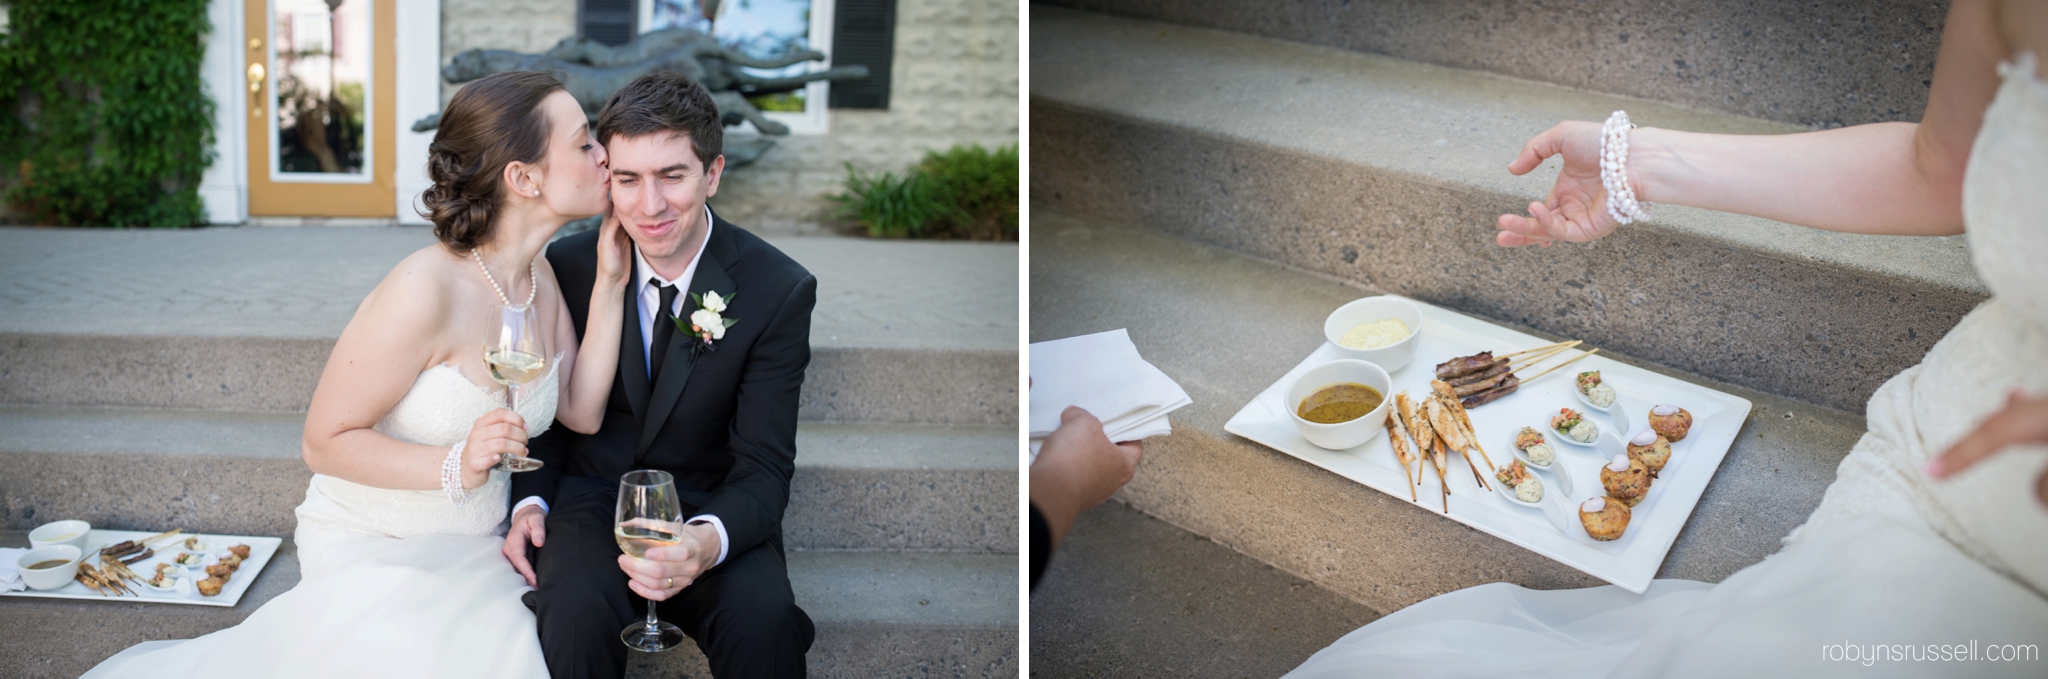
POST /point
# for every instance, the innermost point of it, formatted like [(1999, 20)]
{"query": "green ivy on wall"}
[(103, 119)]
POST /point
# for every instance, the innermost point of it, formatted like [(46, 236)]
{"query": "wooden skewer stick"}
[(1532, 378), (166, 534), (1566, 345), (1534, 359)]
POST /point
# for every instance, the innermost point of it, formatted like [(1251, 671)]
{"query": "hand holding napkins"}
[(1102, 374)]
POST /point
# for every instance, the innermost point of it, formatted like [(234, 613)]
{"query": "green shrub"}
[(103, 120), (966, 192)]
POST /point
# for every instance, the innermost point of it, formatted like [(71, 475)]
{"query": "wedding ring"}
[(668, 583)]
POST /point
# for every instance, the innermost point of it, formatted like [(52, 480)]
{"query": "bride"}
[(398, 577), (1917, 562)]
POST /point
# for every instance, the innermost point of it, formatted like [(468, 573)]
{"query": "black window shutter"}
[(863, 32), (607, 21)]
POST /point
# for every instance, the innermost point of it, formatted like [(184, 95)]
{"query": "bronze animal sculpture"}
[(592, 71)]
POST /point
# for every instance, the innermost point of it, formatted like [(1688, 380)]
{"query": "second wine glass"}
[(649, 517), (514, 357)]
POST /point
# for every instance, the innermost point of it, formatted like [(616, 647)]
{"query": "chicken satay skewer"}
[(1395, 430), (1461, 419)]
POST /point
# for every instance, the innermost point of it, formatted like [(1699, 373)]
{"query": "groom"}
[(720, 418)]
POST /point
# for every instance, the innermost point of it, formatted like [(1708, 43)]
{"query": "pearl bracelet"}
[(451, 475), (1621, 199)]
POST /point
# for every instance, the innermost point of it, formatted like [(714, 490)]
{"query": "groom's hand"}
[(530, 523), (667, 570)]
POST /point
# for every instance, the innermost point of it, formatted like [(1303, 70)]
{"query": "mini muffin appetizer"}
[(1604, 520), (1532, 443), (221, 571), (211, 586), (240, 551), (1526, 486), (232, 561), (1651, 450), (1599, 394), (1625, 480), (1670, 422), (1570, 424)]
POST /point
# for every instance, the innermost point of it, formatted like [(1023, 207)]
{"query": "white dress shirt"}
[(647, 285)]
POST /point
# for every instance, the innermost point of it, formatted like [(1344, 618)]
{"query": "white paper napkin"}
[(10, 573), (1104, 375)]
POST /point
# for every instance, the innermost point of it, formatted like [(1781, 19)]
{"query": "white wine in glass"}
[(649, 517), (513, 357)]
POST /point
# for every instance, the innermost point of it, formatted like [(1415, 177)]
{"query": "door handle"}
[(256, 75)]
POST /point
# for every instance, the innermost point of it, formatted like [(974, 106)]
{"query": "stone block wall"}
[(954, 81)]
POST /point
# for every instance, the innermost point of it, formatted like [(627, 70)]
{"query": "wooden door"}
[(321, 82)]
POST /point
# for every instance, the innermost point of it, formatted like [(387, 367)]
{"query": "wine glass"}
[(649, 517), (513, 356)]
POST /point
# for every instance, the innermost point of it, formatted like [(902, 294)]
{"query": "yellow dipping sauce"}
[(1339, 403), (1380, 333)]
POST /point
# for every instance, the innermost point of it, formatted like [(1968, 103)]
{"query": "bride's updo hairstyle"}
[(488, 124)]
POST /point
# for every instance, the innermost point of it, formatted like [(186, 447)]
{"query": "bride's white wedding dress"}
[(1891, 565), (393, 583)]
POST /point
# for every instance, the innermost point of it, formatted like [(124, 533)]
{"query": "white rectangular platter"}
[(261, 549), (1631, 561)]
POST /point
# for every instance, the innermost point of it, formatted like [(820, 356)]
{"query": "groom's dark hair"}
[(664, 102)]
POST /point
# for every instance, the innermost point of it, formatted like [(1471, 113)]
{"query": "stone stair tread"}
[(857, 486), (1443, 125), (1091, 276), (306, 283), (844, 592), (149, 431)]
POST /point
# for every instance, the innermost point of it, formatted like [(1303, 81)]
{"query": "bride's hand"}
[(498, 433), (1576, 209), (614, 252), (2024, 420)]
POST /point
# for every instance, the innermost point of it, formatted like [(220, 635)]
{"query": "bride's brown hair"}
[(488, 124)]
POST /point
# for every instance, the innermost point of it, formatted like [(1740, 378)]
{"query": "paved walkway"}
[(1128, 595), (306, 282)]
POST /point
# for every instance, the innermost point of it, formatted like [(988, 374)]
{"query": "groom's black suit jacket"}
[(723, 422)]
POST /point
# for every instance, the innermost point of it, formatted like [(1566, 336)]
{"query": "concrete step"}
[(1828, 64), (243, 319), (883, 487), (1225, 326), (1128, 595), (878, 614), (1392, 174)]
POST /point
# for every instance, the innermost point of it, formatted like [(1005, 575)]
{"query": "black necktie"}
[(664, 329)]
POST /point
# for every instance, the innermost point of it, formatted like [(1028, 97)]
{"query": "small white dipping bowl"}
[(49, 578), (1342, 435), (1392, 357), (69, 532)]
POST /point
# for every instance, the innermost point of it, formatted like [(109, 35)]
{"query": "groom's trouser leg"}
[(582, 602), (744, 617)]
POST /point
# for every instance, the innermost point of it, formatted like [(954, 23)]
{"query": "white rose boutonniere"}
[(705, 324)]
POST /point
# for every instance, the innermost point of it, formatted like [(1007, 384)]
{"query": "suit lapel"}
[(633, 359), (675, 369)]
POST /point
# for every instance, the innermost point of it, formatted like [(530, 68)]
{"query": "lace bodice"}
[(437, 411), (2004, 203)]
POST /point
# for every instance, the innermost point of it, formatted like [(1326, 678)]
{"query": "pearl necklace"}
[(1621, 198), (532, 271)]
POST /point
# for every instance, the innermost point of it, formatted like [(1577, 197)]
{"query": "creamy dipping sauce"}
[(1594, 505), (1620, 464), (61, 538), (1381, 333), (1664, 410), (1540, 454), (1645, 438), (1530, 490)]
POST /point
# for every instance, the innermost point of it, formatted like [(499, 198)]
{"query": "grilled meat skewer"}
[(1464, 365)]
